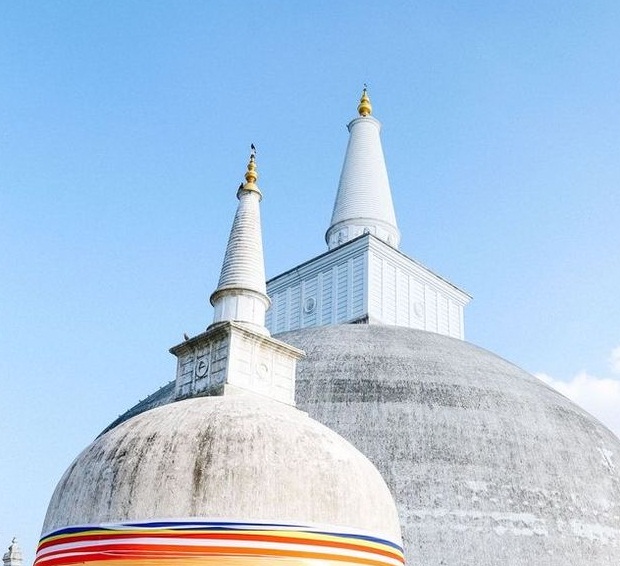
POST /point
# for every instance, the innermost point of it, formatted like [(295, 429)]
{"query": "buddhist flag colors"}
[(201, 543)]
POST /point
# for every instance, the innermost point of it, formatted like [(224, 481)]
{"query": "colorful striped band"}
[(198, 543)]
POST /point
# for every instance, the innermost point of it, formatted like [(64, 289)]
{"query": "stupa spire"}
[(364, 199), (236, 354), (241, 294)]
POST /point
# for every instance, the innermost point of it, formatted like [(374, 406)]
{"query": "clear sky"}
[(124, 132)]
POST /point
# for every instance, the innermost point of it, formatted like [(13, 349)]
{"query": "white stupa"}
[(230, 473), (487, 464)]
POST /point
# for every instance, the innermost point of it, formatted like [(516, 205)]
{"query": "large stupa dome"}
[(229, 460), (488, 465)]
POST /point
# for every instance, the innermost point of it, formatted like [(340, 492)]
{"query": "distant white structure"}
[(13, 556), (363, 277)]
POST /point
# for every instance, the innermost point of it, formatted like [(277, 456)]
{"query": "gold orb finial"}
[(364, 107), (251, 175)]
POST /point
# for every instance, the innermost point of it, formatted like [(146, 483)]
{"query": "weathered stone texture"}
[(240, 458), (488, 465)]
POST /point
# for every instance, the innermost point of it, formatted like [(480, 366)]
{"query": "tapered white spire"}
[(241, 294), (236, 354), (364, 200)]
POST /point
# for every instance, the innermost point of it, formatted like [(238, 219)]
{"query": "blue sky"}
[(124, 132)]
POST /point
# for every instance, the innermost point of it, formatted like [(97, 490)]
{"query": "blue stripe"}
[(217, 526)]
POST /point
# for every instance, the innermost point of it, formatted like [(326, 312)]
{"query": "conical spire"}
[(364, 200), (236, 353), (241, 294)]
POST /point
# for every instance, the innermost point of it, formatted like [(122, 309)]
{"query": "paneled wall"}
[(365, 280), (329, 290)]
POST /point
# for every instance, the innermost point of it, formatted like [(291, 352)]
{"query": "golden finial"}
[(251, 175), (364, 108)]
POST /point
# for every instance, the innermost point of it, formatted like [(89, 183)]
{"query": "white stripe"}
[(71, 548)]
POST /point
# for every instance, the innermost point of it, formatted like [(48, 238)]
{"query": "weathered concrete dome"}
[(487, 464), (233, 457)]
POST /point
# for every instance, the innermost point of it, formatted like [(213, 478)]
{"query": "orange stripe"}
[(210, 560), (187, 552), (306, 541)]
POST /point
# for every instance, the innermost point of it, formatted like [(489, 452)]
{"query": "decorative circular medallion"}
[(262, 370), (202, 367), (309, 305), (418, 309)]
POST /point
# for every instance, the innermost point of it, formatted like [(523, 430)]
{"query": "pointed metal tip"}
[(365, 107)]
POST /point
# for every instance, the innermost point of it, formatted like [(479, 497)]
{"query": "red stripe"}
[(162, 552), (230, 536)]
